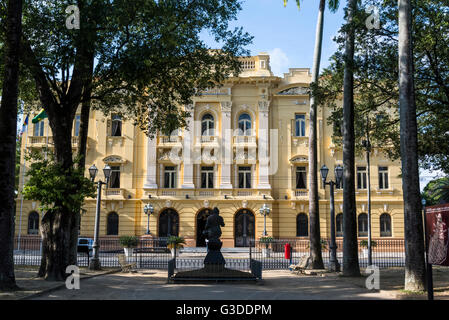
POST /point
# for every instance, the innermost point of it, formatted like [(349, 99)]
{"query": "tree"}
[(350, 245), (437, 192), (415, 271), (8, 132), (149, 61), (377, 92), (314, 216)]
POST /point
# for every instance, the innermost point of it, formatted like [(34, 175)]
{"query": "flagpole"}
[(21, 194)]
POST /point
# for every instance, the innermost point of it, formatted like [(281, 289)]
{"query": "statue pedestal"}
[(214, 257)]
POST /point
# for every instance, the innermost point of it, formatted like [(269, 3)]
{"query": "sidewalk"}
[(32, 286)]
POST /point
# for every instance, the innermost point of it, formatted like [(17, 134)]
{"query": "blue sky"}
[(286, 33)]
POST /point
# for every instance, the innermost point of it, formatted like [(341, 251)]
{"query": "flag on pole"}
[(41, 116), (24, 125)]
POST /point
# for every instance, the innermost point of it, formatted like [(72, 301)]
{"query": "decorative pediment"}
[(114, 159), (299, 159), (295, 91)]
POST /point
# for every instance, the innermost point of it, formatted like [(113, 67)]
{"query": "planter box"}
[(129, 251), (266, 252)]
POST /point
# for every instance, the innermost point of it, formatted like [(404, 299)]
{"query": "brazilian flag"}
[(41, 116)]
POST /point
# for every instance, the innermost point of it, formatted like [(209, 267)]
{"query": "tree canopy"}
[(376, 87)]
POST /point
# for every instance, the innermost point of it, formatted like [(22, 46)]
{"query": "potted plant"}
[(174, 243), (364, 246), (128, 243), (266, 251)]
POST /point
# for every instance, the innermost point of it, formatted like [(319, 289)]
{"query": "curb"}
[(34, 295)]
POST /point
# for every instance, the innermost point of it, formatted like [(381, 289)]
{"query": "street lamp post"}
[(333, 261), (265, 211), (148, 209), (95, 261), (429, 265), (367, 145)]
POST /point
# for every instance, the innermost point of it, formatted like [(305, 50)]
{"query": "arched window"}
[(302, 225), (245, 124), (33, 223), (385, 225), (339, 225), (112, 224), (207, 125), (363, 225)]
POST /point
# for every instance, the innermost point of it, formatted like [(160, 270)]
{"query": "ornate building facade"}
[(246, 145)]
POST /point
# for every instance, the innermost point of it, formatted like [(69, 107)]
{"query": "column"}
[(187, 150), (151, 182), (263, 145), (226, 145)]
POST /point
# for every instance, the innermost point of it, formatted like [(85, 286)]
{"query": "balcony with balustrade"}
[(47, 141), (245, 141)]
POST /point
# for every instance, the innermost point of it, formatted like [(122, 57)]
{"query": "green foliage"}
[(175, 241), (437, 192), (129, 241), (364, 244), (375, 81), (266, 239), (149, 56), (54, 187)]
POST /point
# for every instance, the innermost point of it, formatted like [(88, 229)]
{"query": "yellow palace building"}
[(246, 146)]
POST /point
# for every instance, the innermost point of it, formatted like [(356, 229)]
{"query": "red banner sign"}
[(437, 224)]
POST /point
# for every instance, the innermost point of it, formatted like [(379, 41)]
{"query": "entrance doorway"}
[(245, 228), (168, 223), (201, 219)]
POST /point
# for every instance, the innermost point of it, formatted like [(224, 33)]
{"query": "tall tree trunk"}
[(82, 152), (350, 248), (8, 133), (314, 215), (415, 272), (57, 224)]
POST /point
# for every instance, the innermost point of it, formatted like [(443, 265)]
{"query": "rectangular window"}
[(301, 178), (300, 125), (339, 185), (77, 125), (245, 177), (39, 129), (116, 128), (170, 177), (361, 178), (207, 177), (114, 180), (383, 177)]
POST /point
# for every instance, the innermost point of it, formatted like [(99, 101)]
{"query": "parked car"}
[(85, 245)]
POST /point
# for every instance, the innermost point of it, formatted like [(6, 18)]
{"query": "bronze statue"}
[(214, 222)]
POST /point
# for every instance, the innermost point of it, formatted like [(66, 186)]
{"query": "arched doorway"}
[(168, 223), (200, 224), (245, 228)]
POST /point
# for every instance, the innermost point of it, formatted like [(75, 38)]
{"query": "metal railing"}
[(153, 254), (385, 253)]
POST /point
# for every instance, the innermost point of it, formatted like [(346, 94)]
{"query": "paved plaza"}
[(276, 285)]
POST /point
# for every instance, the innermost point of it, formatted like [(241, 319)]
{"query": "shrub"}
[(128, 241), (364, 243), (174, 241)]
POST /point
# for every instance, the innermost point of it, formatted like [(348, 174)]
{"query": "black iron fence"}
[(385, 252), (154, 254)]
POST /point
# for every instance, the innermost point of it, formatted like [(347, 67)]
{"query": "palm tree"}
[(350, 249), (415, 272), (314, 216), (8, 132)]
